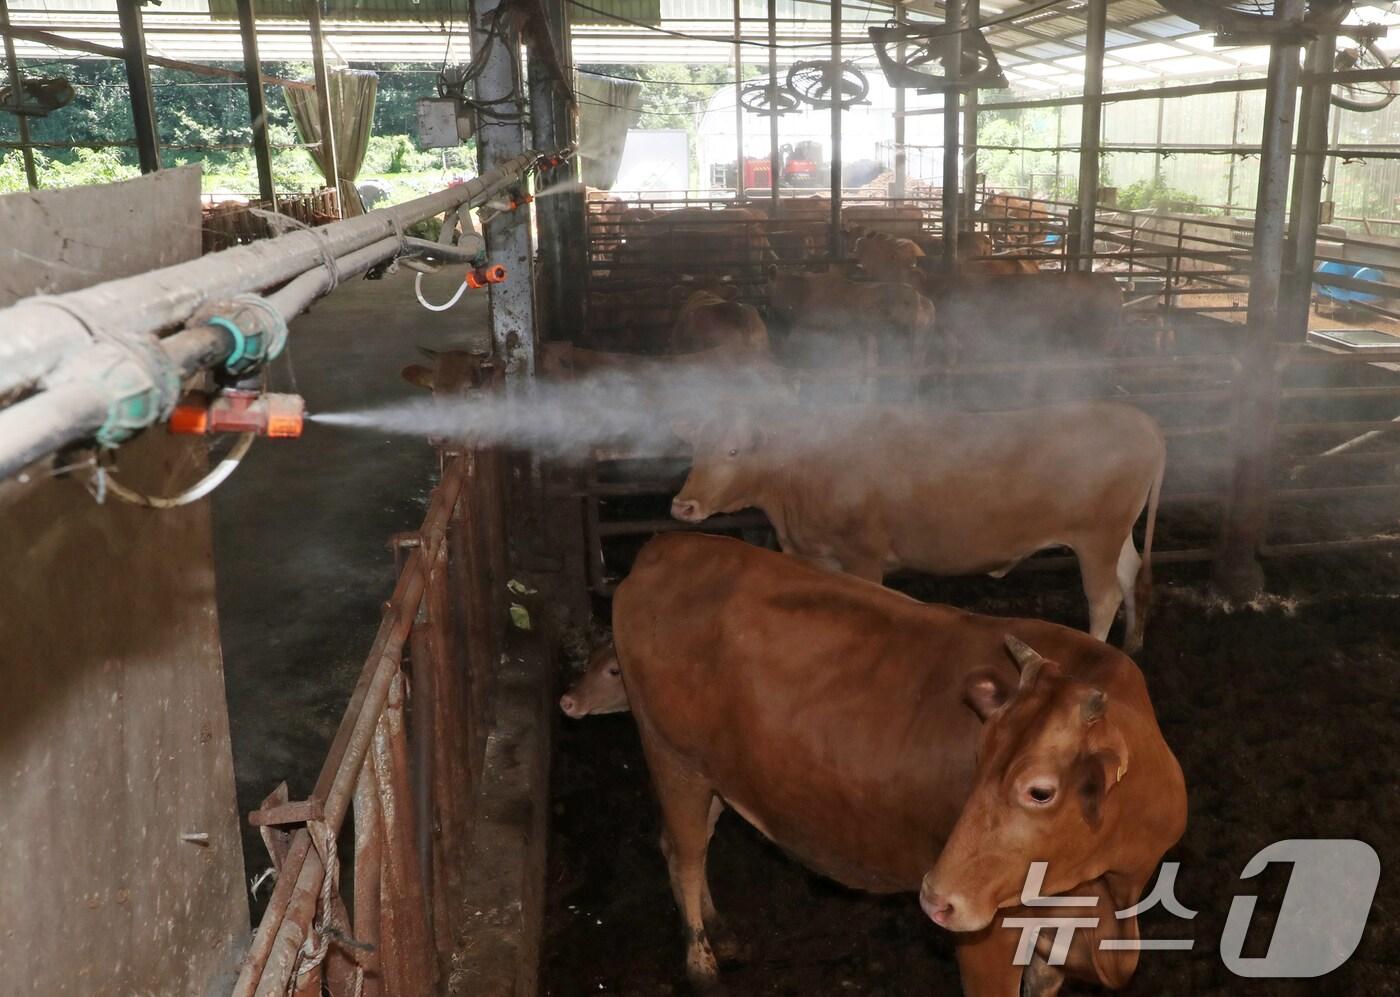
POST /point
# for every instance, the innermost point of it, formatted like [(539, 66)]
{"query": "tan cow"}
[(873, 489), (900, 317), (888, 259), (710, 318), (842, 720)]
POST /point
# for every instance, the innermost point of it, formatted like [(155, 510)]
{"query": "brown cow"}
[(599, 689), (878, 488), (887, 259), (710, 318), (842, 720), (895, 313)]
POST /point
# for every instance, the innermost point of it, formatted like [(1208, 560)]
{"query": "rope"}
[(327, 926), (282, 224)]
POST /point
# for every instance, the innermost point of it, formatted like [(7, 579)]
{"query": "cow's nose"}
[(686, 510), (569, 705), (938, 908)]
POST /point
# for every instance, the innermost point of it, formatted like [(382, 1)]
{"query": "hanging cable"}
[(194, 493)]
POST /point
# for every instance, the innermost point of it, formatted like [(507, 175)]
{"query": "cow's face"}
[(599, 689), (725, 452), (1049, 760)]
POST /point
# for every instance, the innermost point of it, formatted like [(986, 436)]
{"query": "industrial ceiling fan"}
[(1254, 22)]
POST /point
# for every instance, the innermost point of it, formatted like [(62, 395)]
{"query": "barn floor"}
[(301, 532), (1283, 716)]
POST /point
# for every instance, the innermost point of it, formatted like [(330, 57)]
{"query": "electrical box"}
[(443, 122)]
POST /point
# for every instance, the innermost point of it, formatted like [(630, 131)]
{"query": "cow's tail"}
[(1142, 585)]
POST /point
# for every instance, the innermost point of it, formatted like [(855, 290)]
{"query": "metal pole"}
[(1332, 160), (323, 103), (740, 190), (17, 92), (138, 81), (973, 9), (835, 247), (562, 244), (500, 136), (1059, 140), (952, 163), (1091, 131), (774, 157), (1311, 162), (1157, 158), (1234, 138), (1246, 511), (257, 100), (901, 179)]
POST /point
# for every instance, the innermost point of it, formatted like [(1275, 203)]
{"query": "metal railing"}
[(405, 760)]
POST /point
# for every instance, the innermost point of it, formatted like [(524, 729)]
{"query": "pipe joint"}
[(258, 330), (137, 378)]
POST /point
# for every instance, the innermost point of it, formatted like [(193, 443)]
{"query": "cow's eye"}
[(734, 452), (614, 670), (1040, 795)]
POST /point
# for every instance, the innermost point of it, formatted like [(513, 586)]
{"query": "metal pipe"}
[(17, 95), (774, 157), (1246, 516), (257, 100), (1091, 130), (500, 136), (973, 9), (138, 81), (952, 164), (901, 180), (46, 333), (740, 188), (1234, 137), (835, 247), (323, 103)]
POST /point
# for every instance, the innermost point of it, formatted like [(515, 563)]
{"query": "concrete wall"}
[(113, 731)]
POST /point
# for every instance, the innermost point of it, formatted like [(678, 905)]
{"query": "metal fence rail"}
[(404, 761)]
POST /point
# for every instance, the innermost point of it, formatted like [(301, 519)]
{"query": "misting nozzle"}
[(492, 273), (236, 411)]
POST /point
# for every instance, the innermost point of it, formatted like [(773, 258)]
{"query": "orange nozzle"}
[(494, 273), (235, 411), (190, 416)]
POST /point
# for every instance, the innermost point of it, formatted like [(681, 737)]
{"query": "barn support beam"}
[(774, 156), (500, 137), (138, 81), (257, 100), (835, 247), (17, 88), (323, 101), (560, 217), (1091, 132), (739, 186), (1309, 172), (1246, 509), (901, 165), (973, 10), (952, 161)]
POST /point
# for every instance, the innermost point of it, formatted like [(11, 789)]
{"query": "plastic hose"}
[(418, 290)]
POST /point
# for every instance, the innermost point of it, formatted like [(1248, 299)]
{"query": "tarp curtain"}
[(606, 109), (352, 117)]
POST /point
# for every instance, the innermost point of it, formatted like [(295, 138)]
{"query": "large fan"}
[(39, 97), (1257, 21), (764, 99), (924, 63), (1369, 96), (811, 82)]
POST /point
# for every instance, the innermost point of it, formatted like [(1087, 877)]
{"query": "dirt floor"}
[(1283, 716)]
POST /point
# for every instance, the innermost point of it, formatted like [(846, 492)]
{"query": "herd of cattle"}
[(889, 744)]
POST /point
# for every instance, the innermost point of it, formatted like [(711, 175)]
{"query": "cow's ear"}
[(1091, 786), (418, 375), (985, 691)]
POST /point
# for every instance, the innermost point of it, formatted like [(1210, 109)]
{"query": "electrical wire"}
[(194, 493)]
